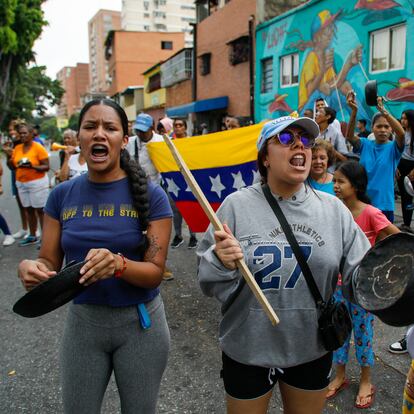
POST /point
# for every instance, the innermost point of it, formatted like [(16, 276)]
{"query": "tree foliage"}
[(34, 92), (48, 127), (21, 23), (73, 121)]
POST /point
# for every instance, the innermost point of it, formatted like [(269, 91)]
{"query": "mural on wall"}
[(334, 51), (318, 76), (403, 91)]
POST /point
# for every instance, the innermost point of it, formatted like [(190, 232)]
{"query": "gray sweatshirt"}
[(332, 243)]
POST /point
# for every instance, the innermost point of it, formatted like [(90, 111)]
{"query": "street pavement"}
[(29, 369)]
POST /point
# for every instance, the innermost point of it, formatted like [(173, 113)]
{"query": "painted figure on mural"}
[(318, 73)]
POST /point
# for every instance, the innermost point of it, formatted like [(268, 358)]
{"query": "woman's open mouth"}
[(298, 161), (99, 153)]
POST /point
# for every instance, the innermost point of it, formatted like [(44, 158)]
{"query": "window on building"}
[(202, 11), (160, 14), (166, 44), (160, 27), (267, 75), (239, 50), (154, 82), (188, 19), (388, 49), (146, 5), (146, 28), (146, 15), (205, 64), (289, 70)]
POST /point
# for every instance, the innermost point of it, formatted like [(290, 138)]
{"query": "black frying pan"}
[(385, 283), (51, 294)]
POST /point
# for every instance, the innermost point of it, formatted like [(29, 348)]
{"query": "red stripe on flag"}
[(194, 215)]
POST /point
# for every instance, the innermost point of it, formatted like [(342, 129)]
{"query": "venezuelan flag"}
[(221, 163)]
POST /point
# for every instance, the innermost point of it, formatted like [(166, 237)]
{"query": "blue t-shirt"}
[(101, 215), (325, 187), (380, 161)]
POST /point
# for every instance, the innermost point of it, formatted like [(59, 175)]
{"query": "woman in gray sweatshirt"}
[(256, 354)]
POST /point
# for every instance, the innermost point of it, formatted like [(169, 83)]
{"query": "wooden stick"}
[(241, 264)]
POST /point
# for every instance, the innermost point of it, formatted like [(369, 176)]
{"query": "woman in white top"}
[(74, 164), (406, 168)]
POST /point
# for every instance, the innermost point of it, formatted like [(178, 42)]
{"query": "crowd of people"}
[(111, 209)]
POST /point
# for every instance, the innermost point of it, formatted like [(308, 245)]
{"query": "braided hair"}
[(137, 178)]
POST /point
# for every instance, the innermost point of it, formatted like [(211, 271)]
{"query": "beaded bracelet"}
[(118, 273)]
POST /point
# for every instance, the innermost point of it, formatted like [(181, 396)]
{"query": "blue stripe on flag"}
[(216, 183)]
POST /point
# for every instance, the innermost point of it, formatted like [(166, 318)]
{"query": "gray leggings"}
[(101, 339)]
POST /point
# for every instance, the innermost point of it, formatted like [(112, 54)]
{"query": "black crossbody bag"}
[(334, 322)]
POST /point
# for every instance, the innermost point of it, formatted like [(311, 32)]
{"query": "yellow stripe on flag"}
[(220, 149)]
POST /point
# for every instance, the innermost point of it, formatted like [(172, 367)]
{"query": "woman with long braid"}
[(120, 225)]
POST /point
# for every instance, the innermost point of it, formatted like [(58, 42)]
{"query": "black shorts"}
[(246, 382)]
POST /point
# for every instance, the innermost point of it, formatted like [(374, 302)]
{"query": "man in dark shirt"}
[(362, 128)]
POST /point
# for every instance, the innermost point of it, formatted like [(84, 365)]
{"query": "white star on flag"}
[(172, 187), (216, 185), (188, 189), (256, 176), (238, 181)]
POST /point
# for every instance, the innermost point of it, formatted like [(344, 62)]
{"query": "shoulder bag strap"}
[(136, 155), (295, 246)]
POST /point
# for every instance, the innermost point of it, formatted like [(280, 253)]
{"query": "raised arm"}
[(395, 125), (64, 170), (350, 133)]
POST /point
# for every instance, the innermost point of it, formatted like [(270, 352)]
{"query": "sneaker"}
[(8, 240), (167, 275), (177, 242), (28, 241), (193, 243), (399, 347), (38, 233), (21, 233), (403, 227)]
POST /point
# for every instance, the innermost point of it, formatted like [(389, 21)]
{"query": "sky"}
[(64, 42)]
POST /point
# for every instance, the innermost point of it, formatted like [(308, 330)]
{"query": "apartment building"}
[(159, 16), (130, 54), (98, 28), (75, 82)]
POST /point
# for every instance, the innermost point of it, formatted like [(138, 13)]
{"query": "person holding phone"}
[(30, 161)]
